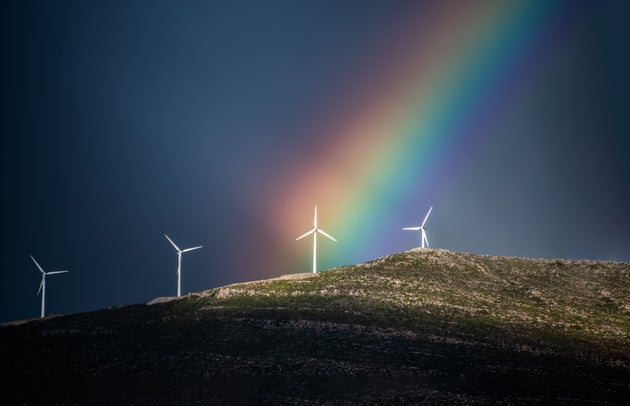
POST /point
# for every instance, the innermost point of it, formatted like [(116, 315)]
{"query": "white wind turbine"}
[(314, 231), (421, 228), (179, 263), (42, 285)]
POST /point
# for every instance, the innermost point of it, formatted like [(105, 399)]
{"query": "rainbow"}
[(420, 106)]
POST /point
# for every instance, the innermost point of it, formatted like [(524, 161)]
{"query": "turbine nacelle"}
[(315, 231)]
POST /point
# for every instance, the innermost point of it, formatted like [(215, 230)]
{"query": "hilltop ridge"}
[(421, 326), (565, 294)]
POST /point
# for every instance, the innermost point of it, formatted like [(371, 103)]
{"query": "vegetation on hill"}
[(422, 326)]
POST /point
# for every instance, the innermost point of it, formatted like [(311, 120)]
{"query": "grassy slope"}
[(423, 326)]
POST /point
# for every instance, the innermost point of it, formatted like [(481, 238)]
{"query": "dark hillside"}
[(423, 326)]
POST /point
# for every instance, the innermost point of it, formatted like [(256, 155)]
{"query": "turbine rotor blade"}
[(55, 272), (426, 217), (305, 234), (192, 249), (40, 268), (315, 218), (412, 228), (171, 241), (41, 284), (324, 232)]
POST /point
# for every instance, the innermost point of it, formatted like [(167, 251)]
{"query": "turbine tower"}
[(179, 263), (42, 285), (423, 239), (314, 231)]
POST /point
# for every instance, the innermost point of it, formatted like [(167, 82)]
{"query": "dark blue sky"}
[(122, 121)]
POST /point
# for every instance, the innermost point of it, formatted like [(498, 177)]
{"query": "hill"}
[(419, 327)]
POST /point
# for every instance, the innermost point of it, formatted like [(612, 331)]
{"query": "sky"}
[(223, 123)]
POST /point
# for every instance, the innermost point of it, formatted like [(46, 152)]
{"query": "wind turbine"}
[(314, 231), (179, 263), (42, 285), (421, 228)]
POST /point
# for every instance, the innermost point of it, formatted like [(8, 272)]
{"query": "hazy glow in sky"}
[(223, 123)]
